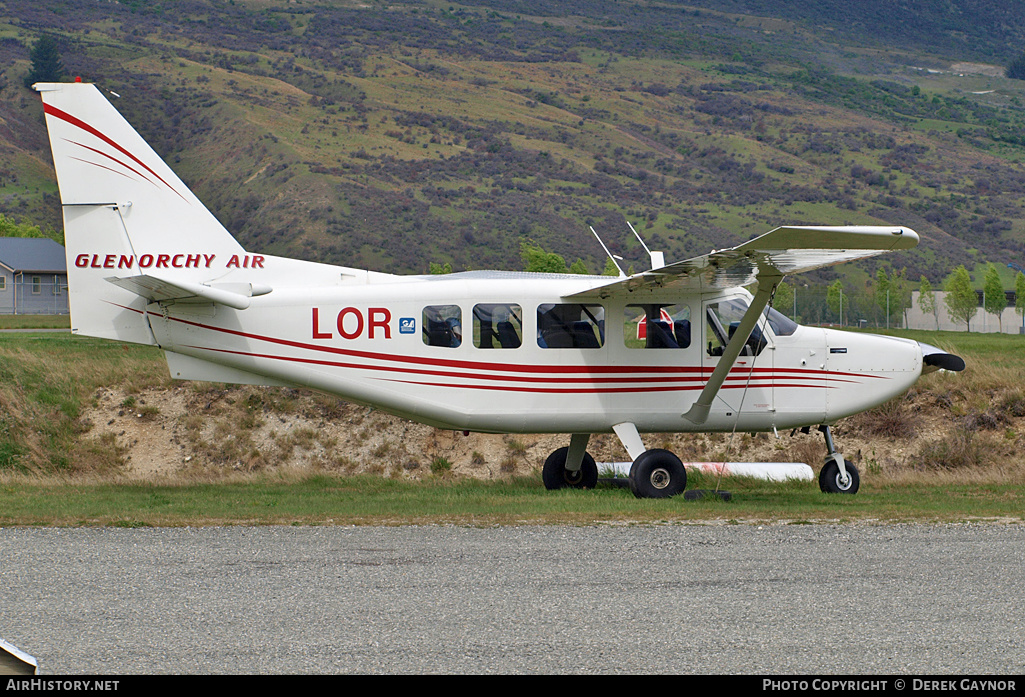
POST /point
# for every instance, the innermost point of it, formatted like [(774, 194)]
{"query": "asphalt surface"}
[(709, 599)]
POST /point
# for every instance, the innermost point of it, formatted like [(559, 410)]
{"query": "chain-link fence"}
[(861, 307), (819, 305), (33, 294)]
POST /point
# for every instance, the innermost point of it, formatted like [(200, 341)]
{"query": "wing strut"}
[(698, 413)]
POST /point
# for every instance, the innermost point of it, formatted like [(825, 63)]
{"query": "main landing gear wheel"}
[(657, 474), (555, 475), (832, 481)]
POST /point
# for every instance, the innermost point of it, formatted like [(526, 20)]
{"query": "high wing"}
[(783, 251), (764, 260)]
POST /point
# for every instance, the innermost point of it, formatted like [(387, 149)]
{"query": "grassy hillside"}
[(391, 134)]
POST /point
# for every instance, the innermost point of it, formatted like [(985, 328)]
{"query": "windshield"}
[(780, 323)]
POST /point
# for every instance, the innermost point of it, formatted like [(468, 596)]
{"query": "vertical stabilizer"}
[(126, 213)]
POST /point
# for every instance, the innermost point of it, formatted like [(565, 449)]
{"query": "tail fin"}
[(126, 214)]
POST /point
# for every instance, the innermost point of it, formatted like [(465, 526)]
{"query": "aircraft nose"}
[(934, 359)]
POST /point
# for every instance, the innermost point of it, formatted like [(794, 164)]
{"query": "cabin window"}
[(37, 285), (497, 325), (3, 282), (442, 325), (570, 326), (657, 326), (723, 318)]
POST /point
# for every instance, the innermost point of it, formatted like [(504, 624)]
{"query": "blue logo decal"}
[(407, 325)]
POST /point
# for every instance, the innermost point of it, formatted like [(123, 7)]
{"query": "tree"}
[(46, 62), (900, 293), (783, 300), (994, 299), (927, 300), (961, 300), (537, 260), (579, 267), (836, 301), (9, 228), (610, 268), (437, 269), (1016, 68), (893, 293), (1019, 292)]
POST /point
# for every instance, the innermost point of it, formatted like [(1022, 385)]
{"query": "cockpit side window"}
[(723, 318)]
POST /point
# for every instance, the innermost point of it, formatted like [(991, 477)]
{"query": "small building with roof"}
[(33, 277)]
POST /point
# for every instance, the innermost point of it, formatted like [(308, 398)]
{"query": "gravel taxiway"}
[(720, 599)]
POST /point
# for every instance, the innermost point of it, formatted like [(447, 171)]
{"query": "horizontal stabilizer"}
[(236, 295)]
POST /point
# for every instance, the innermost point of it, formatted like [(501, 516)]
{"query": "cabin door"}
[(748, 388)]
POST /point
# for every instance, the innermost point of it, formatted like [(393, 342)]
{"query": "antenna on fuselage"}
[(611, 255), (658, 259)]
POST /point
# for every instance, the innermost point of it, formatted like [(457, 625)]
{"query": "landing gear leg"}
[(837, 476)]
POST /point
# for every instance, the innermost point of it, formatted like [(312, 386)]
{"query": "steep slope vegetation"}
[(390, 135)]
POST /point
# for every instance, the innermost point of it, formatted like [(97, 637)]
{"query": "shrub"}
[(440, 465), (1016, 68), (961, 450), (1013, 403), (893, 419)]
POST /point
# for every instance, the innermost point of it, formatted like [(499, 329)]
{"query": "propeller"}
[(934, 359)]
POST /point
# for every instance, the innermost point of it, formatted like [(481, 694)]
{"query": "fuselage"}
[(507, 352)]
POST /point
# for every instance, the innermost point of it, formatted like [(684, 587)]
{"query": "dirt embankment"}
[(190, 429), (207, 430)]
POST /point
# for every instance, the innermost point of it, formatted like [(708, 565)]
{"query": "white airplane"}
[(680, 347)]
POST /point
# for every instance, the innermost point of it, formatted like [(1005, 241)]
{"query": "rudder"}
[(126, 213)]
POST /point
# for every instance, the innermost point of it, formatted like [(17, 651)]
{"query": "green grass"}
[(35, 321), (45, 380), (985, 350), (329, 500)]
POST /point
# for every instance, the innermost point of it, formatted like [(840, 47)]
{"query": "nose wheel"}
[(834, 481), (837, 476)]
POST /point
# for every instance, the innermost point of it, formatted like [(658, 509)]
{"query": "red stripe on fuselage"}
[(611, 390), (740, 377), (736, 374), (507, 368)]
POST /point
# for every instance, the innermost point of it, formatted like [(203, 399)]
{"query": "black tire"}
[(830, 482), (555, 476), (657, 474)]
